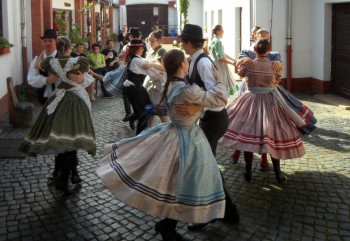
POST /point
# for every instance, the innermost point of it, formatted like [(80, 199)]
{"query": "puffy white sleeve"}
[(34, 77), (88, 79), (215, 97)]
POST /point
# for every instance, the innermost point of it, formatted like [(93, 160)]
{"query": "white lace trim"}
[(60, 93)]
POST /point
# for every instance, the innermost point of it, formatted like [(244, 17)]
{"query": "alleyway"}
[(313, 204)]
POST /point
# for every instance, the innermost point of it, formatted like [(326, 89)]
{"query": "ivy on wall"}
[(184, 4)]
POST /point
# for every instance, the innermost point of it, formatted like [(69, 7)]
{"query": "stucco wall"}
[(11, 64)]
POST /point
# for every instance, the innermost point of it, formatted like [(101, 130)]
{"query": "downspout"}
[(289, 47), (24, 40)]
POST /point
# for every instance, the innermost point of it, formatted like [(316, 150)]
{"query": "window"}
[(1, 33)]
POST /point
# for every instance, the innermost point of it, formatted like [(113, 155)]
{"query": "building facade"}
[(23, 23), (146, 15), (311, 36)]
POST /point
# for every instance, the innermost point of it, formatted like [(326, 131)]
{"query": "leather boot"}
[(75, 178), (248, 158), (51, 182), (264, 164), (62, 184), (277, 168), (167, 229), (235, 157)]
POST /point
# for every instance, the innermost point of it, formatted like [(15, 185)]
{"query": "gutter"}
[(289, 47)]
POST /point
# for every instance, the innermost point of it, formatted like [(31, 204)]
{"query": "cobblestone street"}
[(314, 204)]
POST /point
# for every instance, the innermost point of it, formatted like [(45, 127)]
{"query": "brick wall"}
[(37, 25), (48, 18)]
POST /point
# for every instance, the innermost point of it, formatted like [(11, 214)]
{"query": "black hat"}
[(135, 43), (134, 31), (192, 32), (50, 33)]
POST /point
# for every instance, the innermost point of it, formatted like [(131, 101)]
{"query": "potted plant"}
[(5, 46)]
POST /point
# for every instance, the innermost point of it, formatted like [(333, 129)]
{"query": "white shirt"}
[(205, 71), (37, 80)]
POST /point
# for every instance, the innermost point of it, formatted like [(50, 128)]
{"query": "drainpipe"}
[(24, 40), (289, 47)]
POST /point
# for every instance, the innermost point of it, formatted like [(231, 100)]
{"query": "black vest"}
[(195, 78), (137, 79), (41, 91)]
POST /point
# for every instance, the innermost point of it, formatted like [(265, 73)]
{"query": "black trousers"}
[(214, 125), (138, 98)]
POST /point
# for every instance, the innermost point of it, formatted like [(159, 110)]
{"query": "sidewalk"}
[(313, 204)]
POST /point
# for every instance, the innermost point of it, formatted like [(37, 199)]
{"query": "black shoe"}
[(127, 117), (108, 96), (64, 188), (53, 179), (265, 168), (232, 216), (76, 179), (248, 176), (169, 235), (198, 226), (132, 125)]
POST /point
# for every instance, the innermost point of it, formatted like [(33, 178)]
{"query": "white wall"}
[(195, 12), (59, 4), (231, 22), (11, 64), (130, 2)]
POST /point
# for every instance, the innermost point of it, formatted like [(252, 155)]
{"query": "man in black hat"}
[(214, 121), (37, 78)]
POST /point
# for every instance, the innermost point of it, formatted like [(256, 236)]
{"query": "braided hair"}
[(172, 62), (62, 44)]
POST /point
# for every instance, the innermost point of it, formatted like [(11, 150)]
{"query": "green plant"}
[(4, 43), (75, 36), (184, 4), (61, 22)]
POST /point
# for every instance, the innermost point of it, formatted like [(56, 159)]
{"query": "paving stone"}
[(312, 205)]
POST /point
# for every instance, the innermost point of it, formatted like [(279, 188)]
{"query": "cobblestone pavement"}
[(313, 204)]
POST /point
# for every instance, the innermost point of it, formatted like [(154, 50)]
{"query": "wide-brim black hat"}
[(192, 32), (135, 43), (50, 33), (134, 31)]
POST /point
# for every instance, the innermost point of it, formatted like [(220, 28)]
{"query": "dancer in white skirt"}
[(169, 170)]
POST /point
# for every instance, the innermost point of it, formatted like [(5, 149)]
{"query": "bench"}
[(20, 113)]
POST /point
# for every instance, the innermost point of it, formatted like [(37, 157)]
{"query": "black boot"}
[(51, 182), (127, 106), (248, 158), (277, 168), (231, 211), (167, 229), (75, 178), (62, 184)]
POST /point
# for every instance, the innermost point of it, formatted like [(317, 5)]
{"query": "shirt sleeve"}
[(35, 79), (218, 49), (88, 79), (216, 97), (205, 70), (247, 53), (136, 67), (275, 56)]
